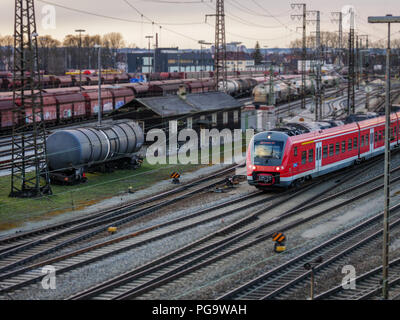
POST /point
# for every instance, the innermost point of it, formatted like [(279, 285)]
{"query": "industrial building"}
[(169, 60)]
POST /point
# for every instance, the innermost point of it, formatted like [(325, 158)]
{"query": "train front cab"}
[(267, 160)]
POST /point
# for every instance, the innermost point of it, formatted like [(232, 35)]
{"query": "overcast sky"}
[(245, 20)]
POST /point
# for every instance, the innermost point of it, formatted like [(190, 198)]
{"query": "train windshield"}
[(268, 152)]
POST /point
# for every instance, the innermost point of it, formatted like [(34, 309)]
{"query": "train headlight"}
[(277, 168)]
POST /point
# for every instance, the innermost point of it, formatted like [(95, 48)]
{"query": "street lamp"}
[(202, 42), (389, 19), (97, 46), (80, 61), (150, 65)]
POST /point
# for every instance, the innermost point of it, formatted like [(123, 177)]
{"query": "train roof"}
[(303, 132)]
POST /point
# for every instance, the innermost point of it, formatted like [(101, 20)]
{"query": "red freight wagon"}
[(6, 113), (106, 101), (121, 78), (122, 96), (49, 110), (64, 81), (71, 106)]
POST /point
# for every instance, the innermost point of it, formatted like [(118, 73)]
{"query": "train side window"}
[(343, 146), (392, 134), (362, 141), (311, 155), (355, 143), (295, 151), (325, 152), (331, 150), (380, 135), (337, 148), (304, 157), (350, 145), (367, 140), (376, 137)]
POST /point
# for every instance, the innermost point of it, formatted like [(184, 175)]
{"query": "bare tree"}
[(6, 51)]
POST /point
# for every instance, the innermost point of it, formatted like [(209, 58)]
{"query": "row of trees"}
[(56, 57), (331, 40)]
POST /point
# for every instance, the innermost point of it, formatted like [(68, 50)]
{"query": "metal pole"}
[(99, 98), (80, 60), (385, 256), (312, 285)]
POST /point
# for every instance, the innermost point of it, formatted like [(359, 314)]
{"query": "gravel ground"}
[(216, 280), (110, 203), (90, 275), (230, 272), (363, 261)]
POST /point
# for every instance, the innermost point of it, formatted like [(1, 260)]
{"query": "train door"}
[(371, 141), (318, 156)]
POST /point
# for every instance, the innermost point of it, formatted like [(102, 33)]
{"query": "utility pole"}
[(150, 65), (364, 49), (220, 72), (80, 56), (29, 96), (389, 19), (357, 63), (351, 75), (304, 49), (318, 57), (99, 93), (339, 20)]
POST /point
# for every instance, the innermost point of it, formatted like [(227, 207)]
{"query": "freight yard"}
[(218, 173)]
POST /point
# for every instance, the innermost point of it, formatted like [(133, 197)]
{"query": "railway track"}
[(283, 281), (20, 242), (145, 279), (14, 279), (368, 285)]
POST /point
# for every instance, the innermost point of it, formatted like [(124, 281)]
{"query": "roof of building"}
[(173, 105)]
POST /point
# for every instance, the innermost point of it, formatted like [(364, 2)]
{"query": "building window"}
[(236, 116), (214, 119), (202, 117), (225, 117)]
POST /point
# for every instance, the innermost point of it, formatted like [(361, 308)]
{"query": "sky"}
[(183, 21)]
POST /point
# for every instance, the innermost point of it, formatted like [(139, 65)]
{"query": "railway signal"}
[(310, 266), (175, 177), (280, 242)]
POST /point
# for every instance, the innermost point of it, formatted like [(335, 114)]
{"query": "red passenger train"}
[(289, 156)]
